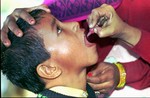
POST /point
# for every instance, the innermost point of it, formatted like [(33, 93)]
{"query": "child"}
[(49, 60)]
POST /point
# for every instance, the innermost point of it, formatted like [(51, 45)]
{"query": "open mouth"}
[(90, 35)]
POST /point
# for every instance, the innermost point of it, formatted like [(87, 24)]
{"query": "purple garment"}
[(76, 10)]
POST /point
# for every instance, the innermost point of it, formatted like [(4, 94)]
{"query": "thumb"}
[(104, 32)]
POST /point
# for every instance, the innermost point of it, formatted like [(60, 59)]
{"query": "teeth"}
[(91, 31)]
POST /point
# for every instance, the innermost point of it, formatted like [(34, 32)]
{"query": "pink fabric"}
[(76, 10)]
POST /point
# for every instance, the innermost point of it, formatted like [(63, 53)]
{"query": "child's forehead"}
[(45, 19), (48, 19), (45, 24), (48, 16)]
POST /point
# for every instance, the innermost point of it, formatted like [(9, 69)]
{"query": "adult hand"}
[(10, 22), (104, 78), (114, 26), (111, 27)]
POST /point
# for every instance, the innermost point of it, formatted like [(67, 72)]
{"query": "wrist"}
[(130, 35), (122, 75)]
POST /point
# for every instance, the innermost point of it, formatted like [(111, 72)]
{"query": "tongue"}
[(91, 36), (91, 31)]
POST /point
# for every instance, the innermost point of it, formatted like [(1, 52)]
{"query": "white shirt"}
[(70, 91)]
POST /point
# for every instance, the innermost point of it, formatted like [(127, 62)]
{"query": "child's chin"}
[(93, 62)]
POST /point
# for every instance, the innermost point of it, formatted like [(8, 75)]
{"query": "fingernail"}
[(31, 21), (6, 43), (19, 34), (90, 74), (48, 10), (90, 25), (95, 30)]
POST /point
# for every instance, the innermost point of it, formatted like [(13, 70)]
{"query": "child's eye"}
[(59, 30)]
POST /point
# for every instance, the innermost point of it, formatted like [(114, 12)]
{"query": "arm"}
[(138, 74), (116, 28), (142, 47), (138, 17)]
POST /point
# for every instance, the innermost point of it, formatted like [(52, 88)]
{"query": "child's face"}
[(67, 43)]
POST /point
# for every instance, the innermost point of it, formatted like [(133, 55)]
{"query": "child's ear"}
[(48, 70)]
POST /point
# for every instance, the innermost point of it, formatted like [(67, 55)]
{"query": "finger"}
[(106, 29), (105, 15), (105, 32), (96, 14), (4, 37), (104, 85), (102, 21), (104, 91), (22, 13), (89, 21), (100, 68), (94, 80), (105, 75), (97, 30), (98, 78), (93, 18), (13, 27)]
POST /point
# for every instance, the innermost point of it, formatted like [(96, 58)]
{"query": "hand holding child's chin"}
[(104, 78)]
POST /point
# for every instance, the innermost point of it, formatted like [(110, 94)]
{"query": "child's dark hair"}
[(19, 61)]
